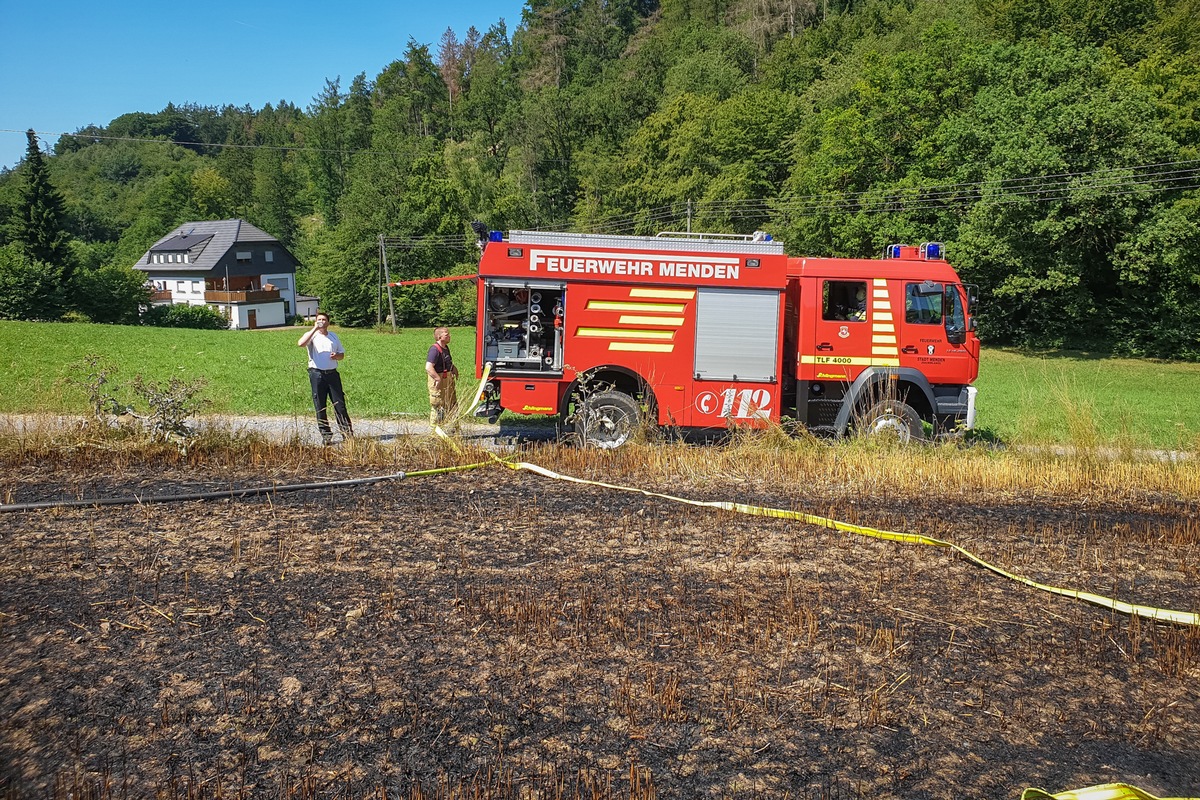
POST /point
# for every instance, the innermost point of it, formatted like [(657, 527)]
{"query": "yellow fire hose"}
[(1105, 791), (1120, 606), (1147, 612)]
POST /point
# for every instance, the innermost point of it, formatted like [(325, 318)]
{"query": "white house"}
[(242, 271)]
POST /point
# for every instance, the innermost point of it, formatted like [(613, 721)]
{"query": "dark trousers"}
[(327, 387)]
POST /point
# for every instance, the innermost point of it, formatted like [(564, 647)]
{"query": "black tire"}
[(892, 418), (607, 420)]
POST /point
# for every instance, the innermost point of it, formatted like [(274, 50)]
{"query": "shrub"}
[(184, 316), (112, 294), (29, 289)]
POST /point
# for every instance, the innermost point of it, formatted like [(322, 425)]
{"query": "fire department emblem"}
[(844, 332), (929, 349)]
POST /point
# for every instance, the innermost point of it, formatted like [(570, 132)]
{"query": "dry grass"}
[(751, 458)]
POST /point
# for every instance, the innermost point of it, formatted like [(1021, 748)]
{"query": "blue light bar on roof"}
[(496, 236), (892, 251), (931, 250)]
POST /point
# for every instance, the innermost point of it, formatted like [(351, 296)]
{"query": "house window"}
[(181, 286), (185, 258), (270, 256), (243, 256), (283, 282)]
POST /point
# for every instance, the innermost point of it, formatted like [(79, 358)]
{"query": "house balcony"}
[(244, 296), (160, 296)]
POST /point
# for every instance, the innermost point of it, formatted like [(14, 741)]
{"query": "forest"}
[(1052, 145)]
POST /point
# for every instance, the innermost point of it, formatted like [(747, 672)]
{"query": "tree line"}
[(1050, 144)]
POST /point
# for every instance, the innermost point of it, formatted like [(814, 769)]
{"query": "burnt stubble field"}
[(493, 633)]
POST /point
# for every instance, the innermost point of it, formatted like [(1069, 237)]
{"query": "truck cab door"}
[(934, 333), (841, 344)]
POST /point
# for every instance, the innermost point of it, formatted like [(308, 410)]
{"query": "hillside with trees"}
[(1051, 144)]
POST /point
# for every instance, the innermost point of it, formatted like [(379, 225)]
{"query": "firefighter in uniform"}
[(440, 369)]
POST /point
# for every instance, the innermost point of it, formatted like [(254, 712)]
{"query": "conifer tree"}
[(39, 223)]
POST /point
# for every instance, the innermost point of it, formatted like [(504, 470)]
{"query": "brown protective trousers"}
[(443, 400)]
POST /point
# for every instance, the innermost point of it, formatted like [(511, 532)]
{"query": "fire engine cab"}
[(711, 330)]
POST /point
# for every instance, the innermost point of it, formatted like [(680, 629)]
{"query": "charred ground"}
[(504, 635)]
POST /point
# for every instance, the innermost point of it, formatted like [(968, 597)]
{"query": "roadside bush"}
[(203, 318), (112, 294), (29, 289)]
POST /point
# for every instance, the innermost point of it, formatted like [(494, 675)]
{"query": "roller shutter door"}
[(737, 334)]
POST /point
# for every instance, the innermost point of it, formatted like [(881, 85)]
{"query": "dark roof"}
[(221, 236), (184, 241)]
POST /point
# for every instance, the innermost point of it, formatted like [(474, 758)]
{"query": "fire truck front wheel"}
[(895, 419), (607, 420)]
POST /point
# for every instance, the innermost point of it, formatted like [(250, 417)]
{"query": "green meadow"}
[(259, 372), (1071, 398)]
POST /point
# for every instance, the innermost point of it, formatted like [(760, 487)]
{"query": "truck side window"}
[(921, 305), (956, 320), (844, 301)]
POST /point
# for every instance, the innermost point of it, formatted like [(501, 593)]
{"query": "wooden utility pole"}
[(387, 280)]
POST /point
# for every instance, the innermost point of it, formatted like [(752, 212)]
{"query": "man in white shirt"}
[(324, 351)]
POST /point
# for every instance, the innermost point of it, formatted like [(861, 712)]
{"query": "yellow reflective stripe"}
[(664, 294), (855, 361), (883, 338), (625, 333), (631, 319), (641, 347), (1147, 612), (611, 305)]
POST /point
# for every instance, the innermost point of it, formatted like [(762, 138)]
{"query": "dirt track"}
[(500, 632)]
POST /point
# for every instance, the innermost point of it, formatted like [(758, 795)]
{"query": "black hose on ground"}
[(231, 494), (234, 494)]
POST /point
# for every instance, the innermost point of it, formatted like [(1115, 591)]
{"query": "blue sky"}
[(68, 64)]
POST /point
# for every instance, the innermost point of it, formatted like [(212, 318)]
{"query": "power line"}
[(1055, 187), (373, 151), (220, 145)]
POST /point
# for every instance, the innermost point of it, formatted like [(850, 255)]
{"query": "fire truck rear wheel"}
[(607, 420), (895, 419)]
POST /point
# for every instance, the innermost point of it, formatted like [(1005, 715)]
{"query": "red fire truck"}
[(707, 330)]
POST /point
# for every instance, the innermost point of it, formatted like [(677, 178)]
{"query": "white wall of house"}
[(185, 291), (266, 315), (307, 308)]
